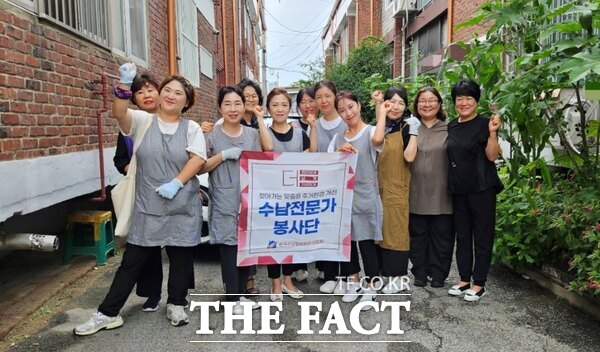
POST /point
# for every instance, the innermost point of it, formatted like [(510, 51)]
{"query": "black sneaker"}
[(420, 283), (151, 304), (437, 283)]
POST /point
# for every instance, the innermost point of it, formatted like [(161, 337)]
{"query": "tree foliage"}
[(315, 71), (365, 60)]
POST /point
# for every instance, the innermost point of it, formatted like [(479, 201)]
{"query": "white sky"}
[(286, 47)]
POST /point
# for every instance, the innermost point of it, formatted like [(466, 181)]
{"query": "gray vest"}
[(158, 221), (294, 145), (224, 181), (367, 211), (324, 136)]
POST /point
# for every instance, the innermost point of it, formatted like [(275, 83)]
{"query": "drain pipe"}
[(99, 112), (29, 241)]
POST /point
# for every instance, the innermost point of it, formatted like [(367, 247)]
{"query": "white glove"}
[(231, 153), (127, 73), (413, 125)]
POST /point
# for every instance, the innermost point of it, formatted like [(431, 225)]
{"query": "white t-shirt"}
[(329, 125), (371, 129), (195, 137)]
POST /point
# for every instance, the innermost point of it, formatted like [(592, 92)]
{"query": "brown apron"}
[(394, 180)]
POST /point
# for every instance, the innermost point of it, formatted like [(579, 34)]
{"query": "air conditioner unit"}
[(401, 7)]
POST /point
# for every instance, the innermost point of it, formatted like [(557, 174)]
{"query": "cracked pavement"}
[(515, 315)]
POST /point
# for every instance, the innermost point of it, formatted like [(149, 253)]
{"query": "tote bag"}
[(123, 194)]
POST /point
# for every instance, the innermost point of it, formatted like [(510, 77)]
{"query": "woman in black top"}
[(473, 182)]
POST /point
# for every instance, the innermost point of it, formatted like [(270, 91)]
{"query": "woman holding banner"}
[(286, 139), (327, 127), (366, 203), (399, 129), (224, 146)]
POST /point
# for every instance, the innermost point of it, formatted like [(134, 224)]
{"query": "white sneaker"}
[(301, 275), (353, 291), (238, 309), (97, 322), (368, 295), (335, 287), (177, 315), (321, 275)]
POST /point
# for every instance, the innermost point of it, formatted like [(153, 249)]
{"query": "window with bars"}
[(88, 18), (119, 25)]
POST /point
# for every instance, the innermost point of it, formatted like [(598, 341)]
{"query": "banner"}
[(296, 207)]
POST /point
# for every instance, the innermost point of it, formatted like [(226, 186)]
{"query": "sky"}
[(294, 31)]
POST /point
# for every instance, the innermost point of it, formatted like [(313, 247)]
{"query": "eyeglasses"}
[(428, 102), (251, 97)]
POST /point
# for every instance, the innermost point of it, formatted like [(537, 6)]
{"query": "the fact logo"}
[(300, 178)]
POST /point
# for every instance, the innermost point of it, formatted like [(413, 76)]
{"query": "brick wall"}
[(207, 100), (47, 106), (465, 10), (368, 18)]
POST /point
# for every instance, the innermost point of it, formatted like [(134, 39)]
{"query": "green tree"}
[(365, 60), (530, 53), (314, 72)]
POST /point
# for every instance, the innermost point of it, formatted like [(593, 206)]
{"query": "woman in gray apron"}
[(328, 126), (286, 139), (225, 144), (398, 130), (366, 203), (167, 210)]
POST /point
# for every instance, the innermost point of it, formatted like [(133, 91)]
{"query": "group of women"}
[(420, 183)]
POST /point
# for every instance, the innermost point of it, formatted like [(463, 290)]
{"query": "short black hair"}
[(308, 91), (467, 88), (230, 89), (401, 91), (250, 83)]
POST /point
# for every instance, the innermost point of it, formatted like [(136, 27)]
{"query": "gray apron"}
[(294, 145), (367, 211), (324, 136), (158, 221), (224, 184)]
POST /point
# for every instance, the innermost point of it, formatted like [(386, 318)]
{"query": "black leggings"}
[(234, 277), (274, 270), (370, 257)]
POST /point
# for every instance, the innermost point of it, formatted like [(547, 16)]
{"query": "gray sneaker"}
[(177, 315), (97, 322)]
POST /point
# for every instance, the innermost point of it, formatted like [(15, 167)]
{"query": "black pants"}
[(274, 270), (474, 221), (135, 258), (393, 262), (331, 270), (149, 280), (431, 245), (369, 255), (234, 277)]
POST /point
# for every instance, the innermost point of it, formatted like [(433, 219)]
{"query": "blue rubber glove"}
[(413, 125), (170, 189), (127, 73), (231, 153)]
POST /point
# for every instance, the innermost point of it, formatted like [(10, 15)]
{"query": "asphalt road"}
[(515, 315)]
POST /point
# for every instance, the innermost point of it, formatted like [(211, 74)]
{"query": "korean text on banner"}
[(296, 207)]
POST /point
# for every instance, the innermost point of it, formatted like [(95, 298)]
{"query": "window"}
[(87, 18), (206, 62), (187, 41), (422, 3), (433, 37), (128, 29), (118, 25), (30, 5)]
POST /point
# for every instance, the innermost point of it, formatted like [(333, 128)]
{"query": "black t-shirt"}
[(286, 137), (303, 125), (470, 169)]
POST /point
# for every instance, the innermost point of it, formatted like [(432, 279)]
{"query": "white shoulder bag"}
[(123, 194)]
